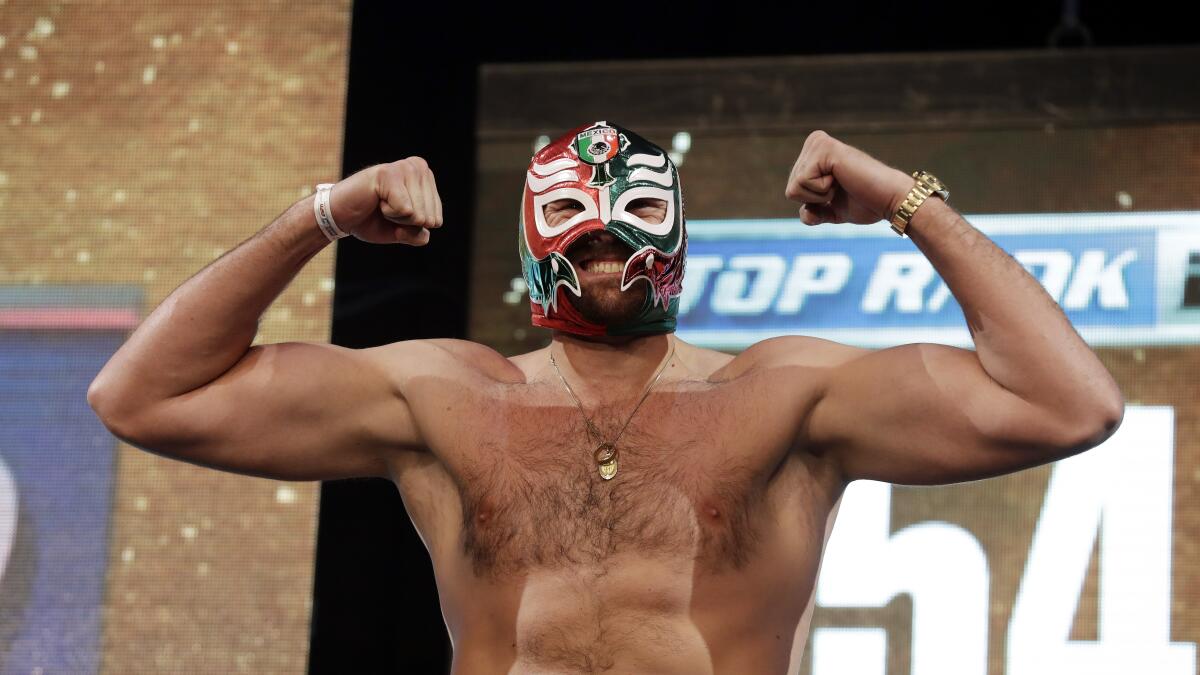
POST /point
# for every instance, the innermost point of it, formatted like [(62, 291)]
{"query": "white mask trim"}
[(589, 211), (646, 192), (655, 161), (555, 166), (662, 178), (541, 184)]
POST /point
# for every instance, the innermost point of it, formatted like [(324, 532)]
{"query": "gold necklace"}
[(606, 453)]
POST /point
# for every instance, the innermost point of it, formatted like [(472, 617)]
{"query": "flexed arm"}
[(1031, 392), (188, 384)]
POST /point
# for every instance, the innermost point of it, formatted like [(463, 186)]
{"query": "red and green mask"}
[(605, 168)]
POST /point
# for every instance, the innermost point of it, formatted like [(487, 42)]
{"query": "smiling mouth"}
[(603, 267), (599, 253)]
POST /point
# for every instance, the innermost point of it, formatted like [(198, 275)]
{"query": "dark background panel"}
[(413, 91), (374, 602)]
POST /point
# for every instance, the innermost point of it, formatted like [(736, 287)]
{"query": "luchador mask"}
[(605, 168)]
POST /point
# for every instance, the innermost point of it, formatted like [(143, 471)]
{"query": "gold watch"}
[(927, 184)]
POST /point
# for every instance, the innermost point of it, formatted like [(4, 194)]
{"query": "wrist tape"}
[(324, 214)]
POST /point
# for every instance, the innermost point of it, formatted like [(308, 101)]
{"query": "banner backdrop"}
[(1085, 174), (1121, 278)]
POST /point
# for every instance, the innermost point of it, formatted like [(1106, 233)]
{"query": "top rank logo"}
[(1122, 279)]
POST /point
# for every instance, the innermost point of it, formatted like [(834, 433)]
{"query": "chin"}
[(610, 306)]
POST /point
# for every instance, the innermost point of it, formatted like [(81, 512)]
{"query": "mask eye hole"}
[(648, 209), (560, 211)]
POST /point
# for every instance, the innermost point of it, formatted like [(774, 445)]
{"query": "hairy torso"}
[(532, 497), (699, 556)]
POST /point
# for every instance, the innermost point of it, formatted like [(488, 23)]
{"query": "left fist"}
[(838, 183)]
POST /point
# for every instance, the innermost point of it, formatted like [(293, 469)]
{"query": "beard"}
[(601, 299), (603, 302)]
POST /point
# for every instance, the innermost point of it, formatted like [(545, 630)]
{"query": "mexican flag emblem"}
[(597, 144)]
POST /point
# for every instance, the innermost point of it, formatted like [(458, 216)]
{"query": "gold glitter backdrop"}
[(138, 142)]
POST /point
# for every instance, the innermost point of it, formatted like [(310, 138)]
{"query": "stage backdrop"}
[(1085, 166), (139, 142)]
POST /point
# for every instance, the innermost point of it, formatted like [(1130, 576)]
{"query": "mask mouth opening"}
[(598, 246)]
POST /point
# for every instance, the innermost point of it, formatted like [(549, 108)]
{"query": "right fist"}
[(389, 203)]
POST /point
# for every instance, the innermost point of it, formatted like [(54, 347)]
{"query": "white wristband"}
[(325, 215)]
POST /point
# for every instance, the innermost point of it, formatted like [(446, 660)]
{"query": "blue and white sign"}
[(57, 473), (1122, 279)]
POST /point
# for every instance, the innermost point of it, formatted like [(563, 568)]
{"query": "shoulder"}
[(444, 358), (792, 351), (702, 362)]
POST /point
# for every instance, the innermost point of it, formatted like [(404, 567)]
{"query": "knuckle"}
[(388, 173), (398, 168), (404, 208), (418, 162)]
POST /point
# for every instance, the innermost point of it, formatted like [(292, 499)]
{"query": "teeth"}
[(604, 267)]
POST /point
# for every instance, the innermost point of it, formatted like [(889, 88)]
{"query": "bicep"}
[(291, 411), (926, 414)]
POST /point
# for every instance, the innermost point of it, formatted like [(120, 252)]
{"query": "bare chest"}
[(694, 471)]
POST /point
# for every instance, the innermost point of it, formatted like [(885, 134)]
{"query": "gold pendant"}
[(606, 460), (608, 469)]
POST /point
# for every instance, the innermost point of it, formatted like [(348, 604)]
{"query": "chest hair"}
[(532, 497)]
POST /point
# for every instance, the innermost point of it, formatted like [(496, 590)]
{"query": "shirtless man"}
[(619, 501)]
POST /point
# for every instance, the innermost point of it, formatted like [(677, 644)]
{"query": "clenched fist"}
[(838, 183), (389, 203)]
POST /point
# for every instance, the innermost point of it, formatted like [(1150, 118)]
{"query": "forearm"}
[(1022, 338), (207, 324)]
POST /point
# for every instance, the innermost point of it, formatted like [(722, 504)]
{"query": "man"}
[(620, 500)]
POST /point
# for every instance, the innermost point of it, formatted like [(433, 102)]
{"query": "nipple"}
[(483, 515)]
